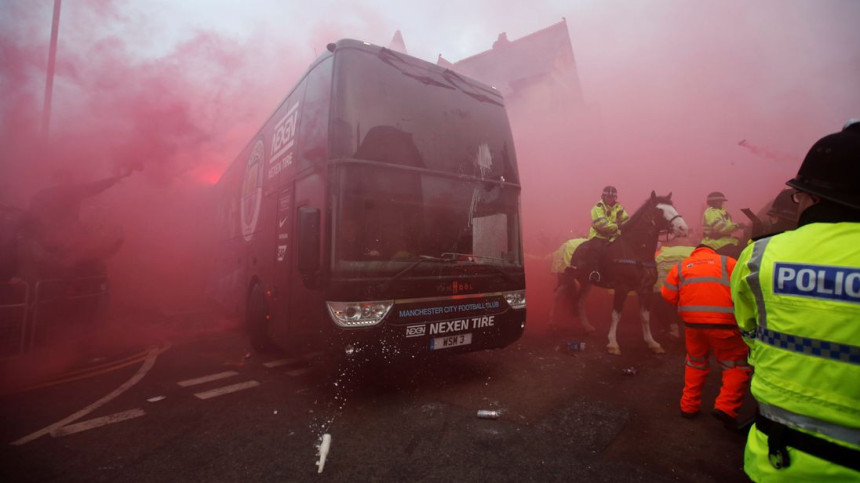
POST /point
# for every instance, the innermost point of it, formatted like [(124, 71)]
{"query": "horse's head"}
[(670, 220)]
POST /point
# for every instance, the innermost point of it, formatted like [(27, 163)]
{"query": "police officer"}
[(797, 302), (718, 226), (782, 215), (607, 217)]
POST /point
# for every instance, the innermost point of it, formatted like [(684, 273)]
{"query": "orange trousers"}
[(731, 353)]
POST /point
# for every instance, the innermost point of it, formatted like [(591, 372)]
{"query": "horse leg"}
[(617, 304), (645, 314), (579, 302), (566, 289)]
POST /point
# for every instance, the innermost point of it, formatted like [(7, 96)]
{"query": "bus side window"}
[(309, 240), (315, 115)]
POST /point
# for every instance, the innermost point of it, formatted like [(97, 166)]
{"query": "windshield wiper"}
[(387, 55), (469, 258), (421, 259), (450, 75), (427, 80)]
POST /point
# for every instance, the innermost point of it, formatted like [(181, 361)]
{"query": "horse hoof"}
[(658, 349), (613, 350)]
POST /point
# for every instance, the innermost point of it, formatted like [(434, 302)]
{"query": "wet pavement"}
[(564, 416)]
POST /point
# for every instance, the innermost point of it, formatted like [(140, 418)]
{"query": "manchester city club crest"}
[(252, 190)]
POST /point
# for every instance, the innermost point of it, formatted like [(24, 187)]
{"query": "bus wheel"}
[(256, 319)]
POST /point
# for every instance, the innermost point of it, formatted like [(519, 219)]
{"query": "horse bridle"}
[(668, 229)]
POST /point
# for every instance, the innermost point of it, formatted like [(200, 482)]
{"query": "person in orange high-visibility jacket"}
[(667, 257), (700, 287)]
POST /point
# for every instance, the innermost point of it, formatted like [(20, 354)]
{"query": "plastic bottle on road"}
[(575, 346)]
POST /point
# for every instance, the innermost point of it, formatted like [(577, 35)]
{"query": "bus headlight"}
[(517, 300), (358, 314)]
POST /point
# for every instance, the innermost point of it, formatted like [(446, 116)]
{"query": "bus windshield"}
[(400, 110), (388, 217), (424, 163)]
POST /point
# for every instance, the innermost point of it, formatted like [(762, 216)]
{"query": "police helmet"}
[(783, 206), (831, 169), (715, 197), (610, 191)]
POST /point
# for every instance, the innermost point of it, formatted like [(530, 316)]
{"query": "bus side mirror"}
[(309, 240)]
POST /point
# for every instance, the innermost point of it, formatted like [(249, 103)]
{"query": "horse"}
[(627, 265)]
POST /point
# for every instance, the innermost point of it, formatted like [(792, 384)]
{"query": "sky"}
[(174, 90), (650, 66)]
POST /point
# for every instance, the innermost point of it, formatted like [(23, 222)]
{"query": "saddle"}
[(588, 259)]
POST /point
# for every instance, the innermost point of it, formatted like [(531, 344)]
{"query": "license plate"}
[(450, 341)]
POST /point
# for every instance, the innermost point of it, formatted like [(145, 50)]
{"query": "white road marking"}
[(298, 372), (156, 399), (147, 365), (226, 389), (284, 362), (209, 378), (280, 362), (97, 422)]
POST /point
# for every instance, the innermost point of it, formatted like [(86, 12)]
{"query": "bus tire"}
[(256, 319)]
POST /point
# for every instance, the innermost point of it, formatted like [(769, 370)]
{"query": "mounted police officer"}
[(607, 218), (782, 215), (718, 226), (797, 301)]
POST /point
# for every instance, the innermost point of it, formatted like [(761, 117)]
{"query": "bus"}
[(376, 212)]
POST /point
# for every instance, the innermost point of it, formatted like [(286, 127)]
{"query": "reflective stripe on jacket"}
[(797, 303), (666, 258), (700, 286), (717, 228), (606, 220)]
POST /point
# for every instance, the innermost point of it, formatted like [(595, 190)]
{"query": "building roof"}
[(397, 44), (513, 65)]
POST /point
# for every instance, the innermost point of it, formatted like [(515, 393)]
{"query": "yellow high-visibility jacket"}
[(797, 302), (606, 221), (717, 228)]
